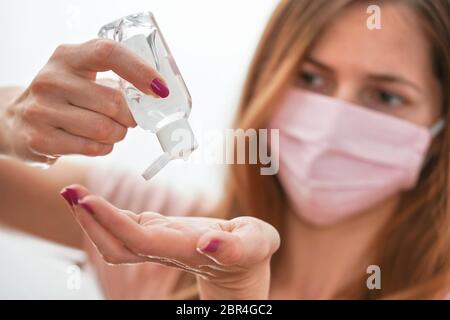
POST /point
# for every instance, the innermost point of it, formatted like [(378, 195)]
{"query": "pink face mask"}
[(338, 159)]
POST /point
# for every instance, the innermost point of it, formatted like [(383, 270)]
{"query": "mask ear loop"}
[(434, 131), (437, 127)]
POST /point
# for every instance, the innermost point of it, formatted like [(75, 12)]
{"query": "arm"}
[(7, 96), (30, 200)]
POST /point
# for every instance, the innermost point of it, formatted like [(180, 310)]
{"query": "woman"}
[(363, 181)]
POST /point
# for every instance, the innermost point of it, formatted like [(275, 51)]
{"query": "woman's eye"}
[(312, 80), (385, 98), (389, 98)]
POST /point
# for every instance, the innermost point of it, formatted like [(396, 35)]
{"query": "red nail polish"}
[(87, 207), (212, 246), (159, 88), (70, 196)]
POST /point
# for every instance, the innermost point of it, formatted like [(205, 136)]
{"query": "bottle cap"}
[(177, 138), (177, 141)]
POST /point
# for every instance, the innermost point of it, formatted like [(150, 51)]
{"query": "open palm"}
[(216, 250)]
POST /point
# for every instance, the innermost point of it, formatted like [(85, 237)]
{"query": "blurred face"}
[(333, 167), (389, 69)]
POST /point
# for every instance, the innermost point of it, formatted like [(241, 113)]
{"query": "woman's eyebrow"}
[(374, 77), (394, 78), (318, 64)]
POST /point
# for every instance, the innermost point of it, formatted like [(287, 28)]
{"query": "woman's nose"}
[(347, 92)]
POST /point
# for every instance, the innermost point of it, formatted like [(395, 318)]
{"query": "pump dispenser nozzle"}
[(177, 141)]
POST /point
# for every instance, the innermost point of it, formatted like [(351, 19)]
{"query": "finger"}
[(99, 98), (73, 193), (123, 226), (155, 241), (114, 84), (241, 241), (102, 55), (111, 249), (260, 238), (59, 142), (85, 123), (224, 248)]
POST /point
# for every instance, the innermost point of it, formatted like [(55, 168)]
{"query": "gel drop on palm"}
[(166, 117)]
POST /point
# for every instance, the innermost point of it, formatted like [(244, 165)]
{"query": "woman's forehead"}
[(399, 45)]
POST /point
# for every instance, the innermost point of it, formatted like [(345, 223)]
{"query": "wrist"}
[(7, 98), (251, 286)]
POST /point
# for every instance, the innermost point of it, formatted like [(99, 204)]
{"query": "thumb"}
[(241, 241), (223, 247)]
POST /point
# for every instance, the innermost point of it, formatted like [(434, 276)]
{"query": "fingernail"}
[(86, 207), (159, 88), (70, 196), (212, 246)]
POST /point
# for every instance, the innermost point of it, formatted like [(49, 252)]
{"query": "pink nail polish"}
[(70, 196), (87, 207), (212, 246), (159, 88)]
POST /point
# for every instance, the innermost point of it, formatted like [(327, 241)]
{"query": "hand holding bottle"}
[(66, 111), (230, 258)]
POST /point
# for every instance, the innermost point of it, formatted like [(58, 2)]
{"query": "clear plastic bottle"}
[(166, 117)]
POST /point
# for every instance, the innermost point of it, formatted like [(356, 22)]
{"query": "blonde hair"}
[(414, 249)]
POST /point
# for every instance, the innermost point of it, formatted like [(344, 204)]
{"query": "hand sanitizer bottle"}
[(166, 117)]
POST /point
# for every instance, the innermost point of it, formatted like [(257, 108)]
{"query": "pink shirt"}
[(131, 192)]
